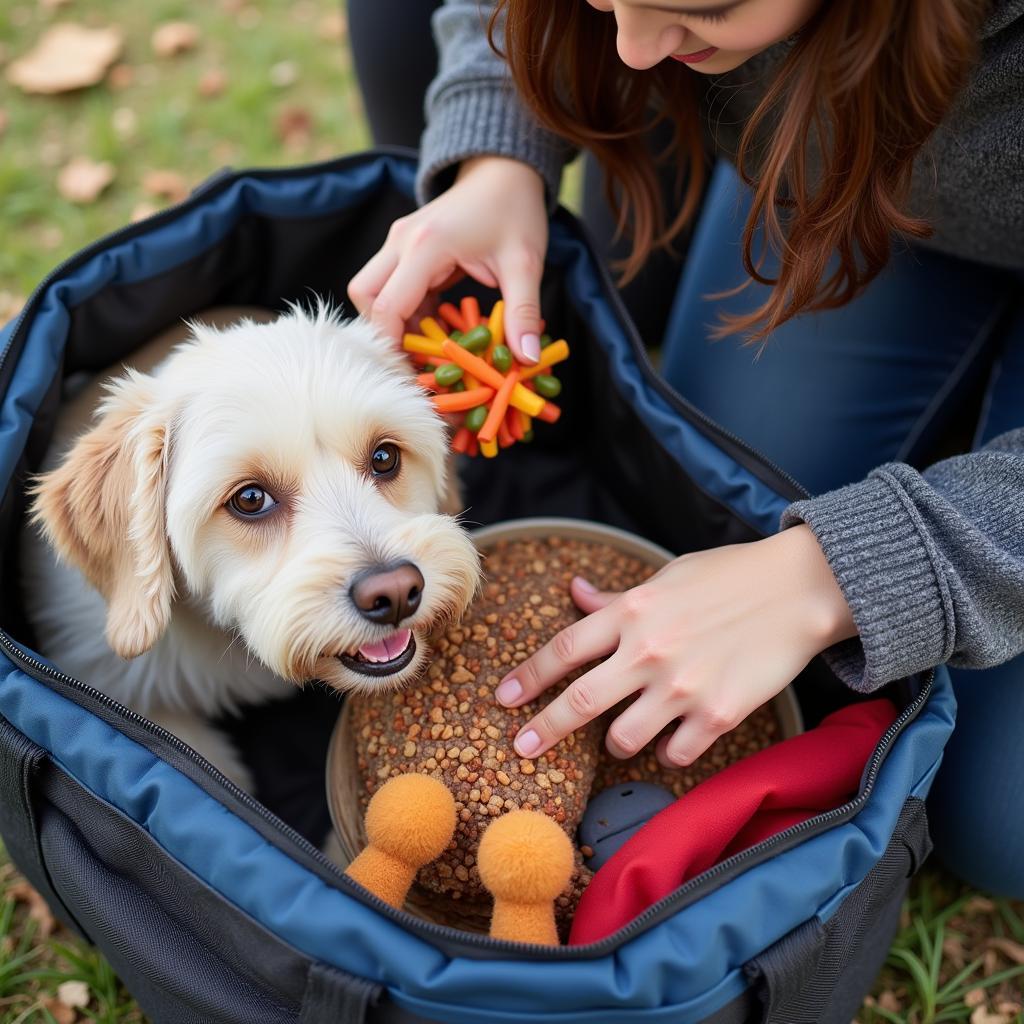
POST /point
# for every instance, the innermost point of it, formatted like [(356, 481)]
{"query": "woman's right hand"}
[(491, 224)]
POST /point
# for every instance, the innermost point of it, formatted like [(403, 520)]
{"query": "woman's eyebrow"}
[(714, 9)]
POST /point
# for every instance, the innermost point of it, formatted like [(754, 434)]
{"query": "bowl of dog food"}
[(450, 726)]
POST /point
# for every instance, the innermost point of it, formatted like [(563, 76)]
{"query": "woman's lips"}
[(695, 58)]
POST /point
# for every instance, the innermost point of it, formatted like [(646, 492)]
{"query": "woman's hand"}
[(708, 639), (491, 224)]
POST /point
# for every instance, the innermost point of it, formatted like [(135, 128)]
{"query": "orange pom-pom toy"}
[(525, 859), (409, 822), (473, 375)]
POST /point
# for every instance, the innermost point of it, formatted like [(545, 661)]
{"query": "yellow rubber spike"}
[(556, 352), (489, 449), (496, 325), (418, 343), (432, 329)]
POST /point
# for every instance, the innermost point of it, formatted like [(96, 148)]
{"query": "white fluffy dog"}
[(259, 510)]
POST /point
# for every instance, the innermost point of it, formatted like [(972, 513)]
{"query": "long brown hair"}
[(864, 82)]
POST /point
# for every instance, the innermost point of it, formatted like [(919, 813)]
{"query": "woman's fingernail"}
[(530, 344), (527, 743), (585, 585), (509, 691)]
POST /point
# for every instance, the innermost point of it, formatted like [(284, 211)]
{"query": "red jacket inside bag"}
[(732, 811)]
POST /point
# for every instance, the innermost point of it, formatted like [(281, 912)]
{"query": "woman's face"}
[(711, 36)]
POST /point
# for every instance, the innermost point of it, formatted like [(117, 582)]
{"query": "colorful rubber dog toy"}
[(474, 375)]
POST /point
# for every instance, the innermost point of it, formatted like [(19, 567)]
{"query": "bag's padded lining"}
[(599, 462)]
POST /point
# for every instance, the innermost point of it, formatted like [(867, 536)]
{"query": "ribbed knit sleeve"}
[(472, 108), (931, 564)]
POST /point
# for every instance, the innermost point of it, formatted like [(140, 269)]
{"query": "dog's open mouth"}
[(383, 657)]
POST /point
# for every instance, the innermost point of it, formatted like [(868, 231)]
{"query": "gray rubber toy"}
[(615, 814)]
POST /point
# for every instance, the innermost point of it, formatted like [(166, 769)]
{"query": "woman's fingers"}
[(519, 274), (587, 597), (407, 286), (639, 724), (365, 286), (580, 702), (692, 737), (583, 641)]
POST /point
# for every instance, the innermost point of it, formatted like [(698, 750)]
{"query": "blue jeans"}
[(890, 376)]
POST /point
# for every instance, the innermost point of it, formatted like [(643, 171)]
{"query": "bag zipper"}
[(451, 940)]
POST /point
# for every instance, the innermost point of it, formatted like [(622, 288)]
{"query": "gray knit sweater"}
[(932, 563)]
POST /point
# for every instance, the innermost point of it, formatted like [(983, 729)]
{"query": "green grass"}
[(160, 122)]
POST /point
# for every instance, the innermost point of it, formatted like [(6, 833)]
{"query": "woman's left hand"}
[(708, 639)]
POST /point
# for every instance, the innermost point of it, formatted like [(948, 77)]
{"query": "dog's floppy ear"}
[(102, 509)]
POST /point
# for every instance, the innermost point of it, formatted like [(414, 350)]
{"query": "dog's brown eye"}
[(385, 459), (251, 500)]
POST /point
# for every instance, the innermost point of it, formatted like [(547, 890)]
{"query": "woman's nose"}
[(645, 38)]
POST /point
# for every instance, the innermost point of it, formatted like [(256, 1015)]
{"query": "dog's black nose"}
[(388, 594)]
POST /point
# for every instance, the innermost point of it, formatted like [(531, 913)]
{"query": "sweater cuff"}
[(486, 120), (890, 574)]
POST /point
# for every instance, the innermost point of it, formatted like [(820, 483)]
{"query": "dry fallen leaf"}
[(974, 997), (983, 1016), (979, 905), (1011, 950), (67, 57), (212, 83), (989, 963), (888, 1000), (38, 911), (953, 950), (174, 37), (294, 127), (61, 1013), (165, 185), (121, 76), (82, 180), (73, 993), (284, 73), (1009, 1008), (333, 27), (143, 210), (11, 304)]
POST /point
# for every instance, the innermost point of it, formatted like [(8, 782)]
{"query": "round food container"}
[(346, 785)]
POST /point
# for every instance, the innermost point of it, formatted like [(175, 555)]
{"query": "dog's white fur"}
[(212, 611)]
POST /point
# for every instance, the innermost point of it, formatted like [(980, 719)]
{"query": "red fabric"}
[(732, 811)]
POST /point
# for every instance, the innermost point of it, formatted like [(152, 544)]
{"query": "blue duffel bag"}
[(214, 906)]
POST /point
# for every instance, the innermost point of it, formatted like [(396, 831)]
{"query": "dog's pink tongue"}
[(388, 648)]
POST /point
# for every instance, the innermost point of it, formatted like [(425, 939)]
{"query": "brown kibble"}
[(493, 732), (467, 755), (503, 778), (409, 750), (526, 767)]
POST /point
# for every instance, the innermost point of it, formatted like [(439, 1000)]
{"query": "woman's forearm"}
[(472, 107), (931, 564)]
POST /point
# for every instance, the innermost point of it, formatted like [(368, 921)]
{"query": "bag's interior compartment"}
[(599, 462)]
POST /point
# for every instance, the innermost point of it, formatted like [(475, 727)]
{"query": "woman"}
[(876, 259)]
